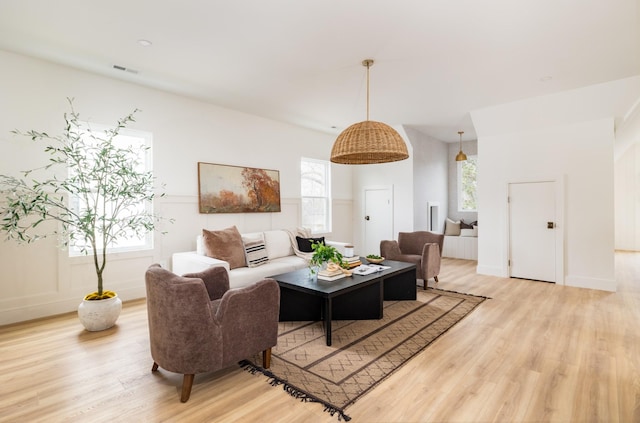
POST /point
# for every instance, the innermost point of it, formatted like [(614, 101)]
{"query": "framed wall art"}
[(236, 189)]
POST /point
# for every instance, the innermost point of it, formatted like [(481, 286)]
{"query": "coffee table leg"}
[(327, 320)]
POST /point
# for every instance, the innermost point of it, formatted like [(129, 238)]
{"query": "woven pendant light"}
[(368, 142), (461, 157)]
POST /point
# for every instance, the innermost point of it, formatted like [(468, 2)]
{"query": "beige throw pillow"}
[(255, 252), (225, 245), (452, 228)]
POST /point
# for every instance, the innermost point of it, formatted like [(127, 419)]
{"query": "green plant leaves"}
[(99, 194)]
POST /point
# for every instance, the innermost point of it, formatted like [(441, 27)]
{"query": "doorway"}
[(378, 217), (533, 231)]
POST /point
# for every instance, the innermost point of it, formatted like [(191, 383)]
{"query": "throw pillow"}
[(452, 228), (255, 253), (304, 244), (466, 232), (465, 225), (225, 245)]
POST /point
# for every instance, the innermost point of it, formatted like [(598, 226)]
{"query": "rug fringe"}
[(461, 293), (295, 392)]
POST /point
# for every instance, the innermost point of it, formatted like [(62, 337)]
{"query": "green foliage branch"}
[(102, 175)]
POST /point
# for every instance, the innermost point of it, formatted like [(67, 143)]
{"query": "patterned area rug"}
[(364, 352)]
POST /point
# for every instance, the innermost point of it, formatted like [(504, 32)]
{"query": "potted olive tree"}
[(96, 192)]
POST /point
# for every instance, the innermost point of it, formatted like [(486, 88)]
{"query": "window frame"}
[(326, 198), (145, 243), (459, 188)]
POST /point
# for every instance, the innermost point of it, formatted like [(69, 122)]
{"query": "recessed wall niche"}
[(433, 216)]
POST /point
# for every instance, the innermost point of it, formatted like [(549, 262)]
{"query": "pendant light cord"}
[(368, 63), (368, 66)]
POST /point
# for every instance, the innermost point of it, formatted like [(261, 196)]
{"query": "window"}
[(140, 143), (467, 198), (316, 194)]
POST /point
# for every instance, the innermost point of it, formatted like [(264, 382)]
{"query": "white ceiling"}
[(299, 61)]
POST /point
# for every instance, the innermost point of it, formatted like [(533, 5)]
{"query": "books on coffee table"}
[(331, 278), (352, 261), (329, 273)]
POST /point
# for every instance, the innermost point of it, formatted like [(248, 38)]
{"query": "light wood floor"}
[(535, 352)]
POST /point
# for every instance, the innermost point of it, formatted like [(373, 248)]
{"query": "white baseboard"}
[(591, 283), (37, 310), (491, 271)]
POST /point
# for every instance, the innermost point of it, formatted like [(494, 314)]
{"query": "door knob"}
[(366, 218)]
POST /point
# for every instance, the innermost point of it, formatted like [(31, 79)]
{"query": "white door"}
[(532, 231), (378, 218)]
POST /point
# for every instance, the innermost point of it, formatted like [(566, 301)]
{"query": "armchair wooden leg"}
[(187, 383), (266, 358), (155, 367)]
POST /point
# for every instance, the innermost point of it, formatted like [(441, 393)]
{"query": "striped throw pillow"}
[(256, 253)]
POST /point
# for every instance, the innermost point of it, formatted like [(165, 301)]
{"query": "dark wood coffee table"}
[(303, 298)]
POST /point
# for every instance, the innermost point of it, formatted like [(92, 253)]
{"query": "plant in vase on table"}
[(323, 254), (94, 190)]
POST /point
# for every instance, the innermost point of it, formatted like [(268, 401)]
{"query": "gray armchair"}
[(197, 325), (422, 248)]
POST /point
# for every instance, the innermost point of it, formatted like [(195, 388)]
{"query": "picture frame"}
[(237, 189)]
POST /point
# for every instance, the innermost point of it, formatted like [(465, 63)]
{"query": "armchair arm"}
[(216, 280), (249, 319), (183, 333), (390, 249), (430, 260)]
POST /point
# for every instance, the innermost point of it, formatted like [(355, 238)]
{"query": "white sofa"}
[(280, 253)]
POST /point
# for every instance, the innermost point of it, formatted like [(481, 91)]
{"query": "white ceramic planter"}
[(98, 315)]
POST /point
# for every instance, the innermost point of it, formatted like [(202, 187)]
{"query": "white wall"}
[(397, 174), (580, 155), (627, 199), (39, 279), (568, 136), (544, 138), (430, 183), (627, 181)]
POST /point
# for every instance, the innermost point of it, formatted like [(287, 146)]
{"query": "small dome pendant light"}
[(461, 157)]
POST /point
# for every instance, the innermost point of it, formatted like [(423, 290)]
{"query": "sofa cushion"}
[(278, 244), (467, 232), (225, 245), (304, 244), (245, 276), (255, 253), (252, 236)]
